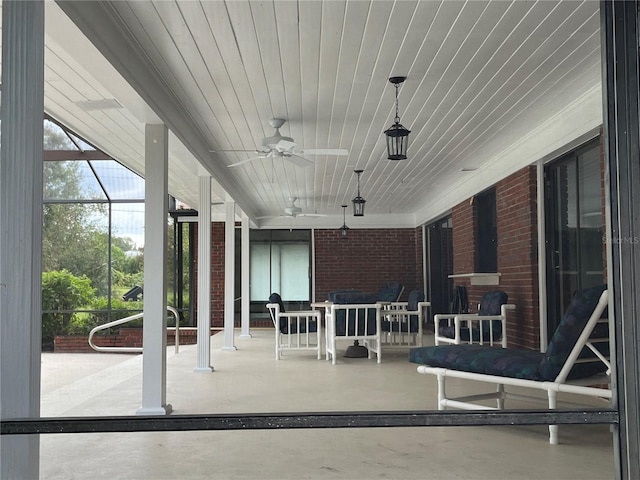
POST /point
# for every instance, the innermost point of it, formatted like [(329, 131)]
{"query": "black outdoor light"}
[(397, 135), (358, 202), (344, 230)]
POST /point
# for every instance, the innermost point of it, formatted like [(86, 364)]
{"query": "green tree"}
[(72, 235)]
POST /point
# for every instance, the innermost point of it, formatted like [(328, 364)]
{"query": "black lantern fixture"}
[(397, 135), (344, 230), (358, 202)]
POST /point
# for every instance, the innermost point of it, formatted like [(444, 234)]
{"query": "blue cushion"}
[(566, 335), (276, 298), (490, 304), (506, 362), (354, 297), (389, 292), (415, 296), (332, 295)]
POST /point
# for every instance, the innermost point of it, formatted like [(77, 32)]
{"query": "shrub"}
[(84, 323), (62, 293)]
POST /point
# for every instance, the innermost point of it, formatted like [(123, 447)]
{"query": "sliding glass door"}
[(574, 227), (439, 255), (281, 262)]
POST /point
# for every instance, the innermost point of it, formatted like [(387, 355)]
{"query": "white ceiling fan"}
[(293, 211), (279, 146)]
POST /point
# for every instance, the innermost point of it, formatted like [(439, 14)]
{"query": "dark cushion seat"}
[(526, 364), (507, 362)]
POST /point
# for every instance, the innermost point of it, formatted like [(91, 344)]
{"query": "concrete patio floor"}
[(250, 380)]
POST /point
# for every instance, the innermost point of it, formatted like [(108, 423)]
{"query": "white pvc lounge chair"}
[(576, 361)]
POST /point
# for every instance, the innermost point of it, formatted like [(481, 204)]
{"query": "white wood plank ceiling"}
[(491, 87)]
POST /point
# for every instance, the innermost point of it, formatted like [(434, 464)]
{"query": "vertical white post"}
[(246, 292), (154, 331), (229, 275), (21, 232), (542, 257), (203, 347), (312, 266)]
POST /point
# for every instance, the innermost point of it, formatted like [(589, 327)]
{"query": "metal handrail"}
[(128, 319)]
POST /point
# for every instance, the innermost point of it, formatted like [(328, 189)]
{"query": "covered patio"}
[(247, 379)]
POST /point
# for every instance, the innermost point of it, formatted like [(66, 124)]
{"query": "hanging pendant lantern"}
[(358, 202), (397, 135), (344, 230)]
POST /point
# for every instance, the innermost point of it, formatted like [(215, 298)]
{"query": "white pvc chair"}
[(482, 327), (295, 331)]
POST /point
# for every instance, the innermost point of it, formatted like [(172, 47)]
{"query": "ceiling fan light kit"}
[(292, 211), (397, 135), (358, 201)]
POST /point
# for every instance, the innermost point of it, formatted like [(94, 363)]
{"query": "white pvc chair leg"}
[(553, 429), (441, 392), (500, 399)]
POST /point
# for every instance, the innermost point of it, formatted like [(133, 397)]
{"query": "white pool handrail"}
[(128, 319)]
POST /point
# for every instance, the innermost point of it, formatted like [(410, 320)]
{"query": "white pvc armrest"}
[(300, 313)]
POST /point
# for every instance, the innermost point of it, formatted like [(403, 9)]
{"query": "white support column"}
[(154, 330), (21, 232), (203, 348), (229, 275), (246, 293), (542, 257)]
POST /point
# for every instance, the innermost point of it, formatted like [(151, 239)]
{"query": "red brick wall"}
[(464, 237), (128, 337), (516, 203), (217, 273), (517, 253), (367, 259), (419, 252)]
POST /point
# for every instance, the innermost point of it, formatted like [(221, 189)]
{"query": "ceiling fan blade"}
[(277, 216), (223, 151), (311, 215), (341, 152), (246, 160), (298, 160)]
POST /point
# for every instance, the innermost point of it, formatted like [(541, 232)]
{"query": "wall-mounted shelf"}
[(479, 278)]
